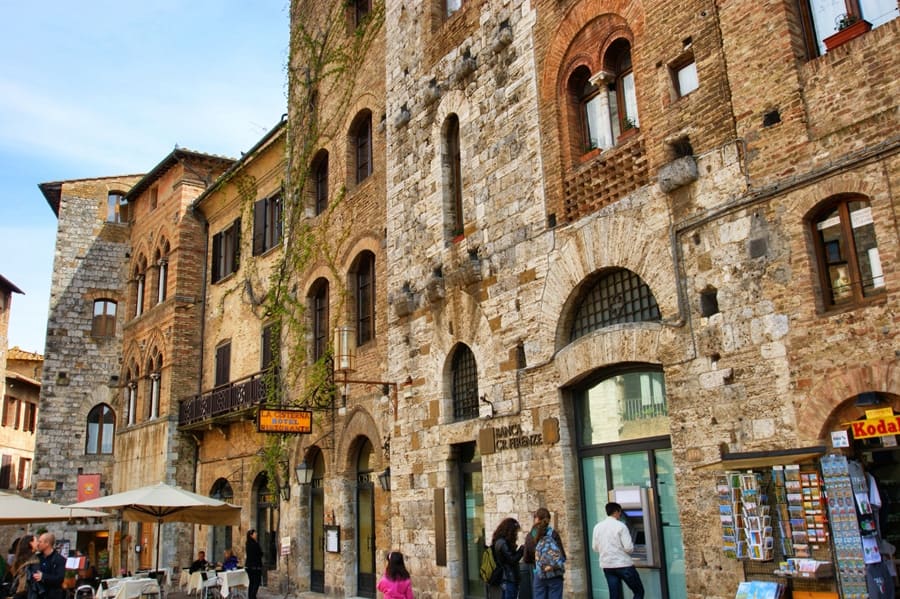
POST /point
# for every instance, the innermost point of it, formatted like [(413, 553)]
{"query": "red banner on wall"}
[(88, 486)]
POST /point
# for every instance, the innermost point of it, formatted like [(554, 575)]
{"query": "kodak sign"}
[(878, 423)]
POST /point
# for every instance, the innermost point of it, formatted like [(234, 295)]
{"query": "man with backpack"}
[(549, 558), (612, 541)]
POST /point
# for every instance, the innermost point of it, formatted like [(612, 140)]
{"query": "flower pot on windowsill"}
[(846, 34)]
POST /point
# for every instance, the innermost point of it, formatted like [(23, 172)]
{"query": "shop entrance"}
[(623, 444)]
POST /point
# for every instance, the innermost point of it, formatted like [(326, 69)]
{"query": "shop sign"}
[(878, 423), (284, 421)]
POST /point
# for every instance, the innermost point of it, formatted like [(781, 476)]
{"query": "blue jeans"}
[(616, 576), (547, 588), (510, 590)]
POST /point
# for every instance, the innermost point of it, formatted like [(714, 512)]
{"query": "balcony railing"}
[(232, 398)]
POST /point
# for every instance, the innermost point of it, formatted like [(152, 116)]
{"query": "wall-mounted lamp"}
[(344, 355), (304, 473), (384, 479)]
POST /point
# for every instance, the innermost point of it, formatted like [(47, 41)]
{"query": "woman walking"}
[(253, 554)]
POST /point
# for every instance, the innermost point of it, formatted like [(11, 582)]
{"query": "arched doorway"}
[(220, 535), (622, 429), (266, 510), (878, 453), (365, 521), (317, 524)]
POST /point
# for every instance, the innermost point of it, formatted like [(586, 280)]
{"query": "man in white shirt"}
[(612, 541)]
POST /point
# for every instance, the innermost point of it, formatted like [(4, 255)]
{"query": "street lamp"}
[(304, 473)]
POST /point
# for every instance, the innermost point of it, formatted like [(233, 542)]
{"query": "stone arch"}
[(360, 425), (462, 321), (832, 390), (629, 242)]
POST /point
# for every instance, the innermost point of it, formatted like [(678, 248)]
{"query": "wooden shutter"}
[(259, 227)]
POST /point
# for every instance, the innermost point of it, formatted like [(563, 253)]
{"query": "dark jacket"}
[(53, 570), (254, 555), (508, 560)]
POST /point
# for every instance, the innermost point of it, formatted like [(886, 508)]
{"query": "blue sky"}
[(98, 87)]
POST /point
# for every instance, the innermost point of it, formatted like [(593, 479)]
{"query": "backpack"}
[(489, 571), (547, 553)]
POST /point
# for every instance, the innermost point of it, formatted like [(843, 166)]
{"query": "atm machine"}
[(639, 507)]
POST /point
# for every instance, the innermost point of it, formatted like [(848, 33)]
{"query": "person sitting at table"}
[(230, 562), (200, 563)]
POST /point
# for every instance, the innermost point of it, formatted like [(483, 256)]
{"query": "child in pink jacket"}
[(395, 583)]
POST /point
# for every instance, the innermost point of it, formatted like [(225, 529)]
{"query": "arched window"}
[(618, 296), (131, 392), (619, 79), (364, 295), (140, 280), (101, 428), (162, 280), (464, 383), (361, 142), (319, 300), (454, 222), (154, 367), (103, 323), (850, 268), (221, 535), (319, 172)]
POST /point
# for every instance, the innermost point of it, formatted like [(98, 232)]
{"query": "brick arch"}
[(827, 398), (804, 202), (625, 242), (576, 20), (364, 240), (131, 355)]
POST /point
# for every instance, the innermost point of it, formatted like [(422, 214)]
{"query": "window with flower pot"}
[(849, 263), (824, 18)]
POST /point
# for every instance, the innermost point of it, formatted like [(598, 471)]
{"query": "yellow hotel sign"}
[(284, 421)]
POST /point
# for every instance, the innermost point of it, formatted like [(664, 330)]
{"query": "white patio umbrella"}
[(166, 503), (15, 509)]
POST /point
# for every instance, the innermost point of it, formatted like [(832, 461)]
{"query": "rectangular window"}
[(154, 197), (686, 79), (117, 208), (6, 473), (29, 422), (364, 150), (363, 8), (452, 6), (267, 224), (24, 474), (270, 346), (226, 251), (223, 364), (10, 411), (104, 320)]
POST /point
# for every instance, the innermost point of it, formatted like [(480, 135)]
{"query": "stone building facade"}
[(81, 376), (18, 422)]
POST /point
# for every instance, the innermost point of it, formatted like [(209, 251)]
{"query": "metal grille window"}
[(465, 384), (617, 297)]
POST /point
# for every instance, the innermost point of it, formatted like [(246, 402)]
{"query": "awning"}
[(751, 460)]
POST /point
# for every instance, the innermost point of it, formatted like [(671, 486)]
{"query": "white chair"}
[(151, 590), (210, 585)]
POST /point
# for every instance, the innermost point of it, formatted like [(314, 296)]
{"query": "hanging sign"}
[(284, 421), (878, 423)]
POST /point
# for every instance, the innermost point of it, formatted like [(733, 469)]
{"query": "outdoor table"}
[(200, 586), (185, 581), (126, 588), (233, 581)]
